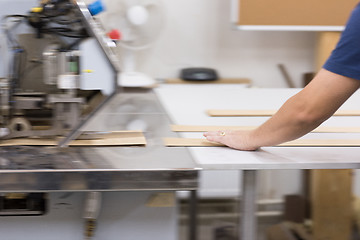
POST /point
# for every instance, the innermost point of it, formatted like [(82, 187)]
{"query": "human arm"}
[(299, 115)]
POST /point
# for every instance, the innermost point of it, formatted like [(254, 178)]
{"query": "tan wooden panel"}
[(199, 142), (337, 130), (323, 143), (119, 138), (298, 13), (240, 113), (219, 81), (206, 128), (264, 113), (331, 204), (325, 44), (189, 142)]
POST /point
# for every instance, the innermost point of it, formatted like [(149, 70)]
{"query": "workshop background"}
[(200, 34)]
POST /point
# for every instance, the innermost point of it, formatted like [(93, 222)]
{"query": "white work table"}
[(187, 105)]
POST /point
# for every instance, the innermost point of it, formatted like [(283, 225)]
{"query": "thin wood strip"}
[(198, 142), (189, 142), (119, 138), (28, 142), (205, 128), (337, 130), (113, 139), (265, 113), (219, 81), (322, 143)]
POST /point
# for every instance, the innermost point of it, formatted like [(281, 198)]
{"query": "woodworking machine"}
[(61, 69), (61, 79)]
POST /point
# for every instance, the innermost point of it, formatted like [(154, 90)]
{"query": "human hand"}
[(233, 139)]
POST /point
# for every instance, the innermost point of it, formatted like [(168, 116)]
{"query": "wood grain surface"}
[(206, 128), (117, 138), (264, 113)]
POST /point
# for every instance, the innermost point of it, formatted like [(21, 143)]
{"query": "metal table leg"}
[(248, 221), (193, 215)]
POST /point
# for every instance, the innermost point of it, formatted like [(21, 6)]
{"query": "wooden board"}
[(189, 142), (219, 81), (295, 13), (331, 204), (206, 128), (199, 142), (264, 113), (118, 138), (325, 44)]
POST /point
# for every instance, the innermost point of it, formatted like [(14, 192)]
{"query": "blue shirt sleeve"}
[(345, 58)]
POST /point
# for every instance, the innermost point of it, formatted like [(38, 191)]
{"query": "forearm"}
[(298, 116), (306, 110), (289, 123)]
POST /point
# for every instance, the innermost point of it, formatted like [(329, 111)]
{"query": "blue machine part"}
[(96, 7)]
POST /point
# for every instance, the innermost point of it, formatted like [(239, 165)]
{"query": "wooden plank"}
[(294, 13), (337, 130), (265, 113), (189, 142), (199, 142), (325, 44), (322, 143), (206, 128), (118, 138), (239, 113), (219, 81), (331, 204)]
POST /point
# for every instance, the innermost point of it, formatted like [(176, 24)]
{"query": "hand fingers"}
[(215, 136), (215, 133), (233, 139)]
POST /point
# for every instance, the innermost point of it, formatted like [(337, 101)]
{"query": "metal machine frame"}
[(67, 119)]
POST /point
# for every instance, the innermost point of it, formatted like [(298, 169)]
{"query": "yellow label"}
[(36, 9)]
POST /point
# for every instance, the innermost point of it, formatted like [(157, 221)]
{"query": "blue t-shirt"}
[(345, 59)]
